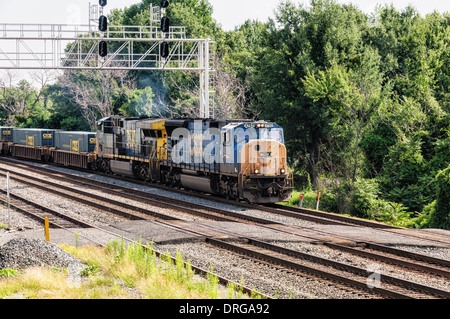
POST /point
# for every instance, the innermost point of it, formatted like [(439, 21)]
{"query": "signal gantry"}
[(101, 46)]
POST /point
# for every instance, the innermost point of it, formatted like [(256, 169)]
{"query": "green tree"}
[(351, 99), (139, 104)]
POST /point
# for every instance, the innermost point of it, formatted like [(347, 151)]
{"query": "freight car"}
[(32, 143), (75, 149), (237, 159)]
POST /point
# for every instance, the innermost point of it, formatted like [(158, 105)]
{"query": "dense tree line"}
[(363, 98)]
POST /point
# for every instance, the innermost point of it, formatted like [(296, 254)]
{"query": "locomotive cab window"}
[(244, 136), (227, 137), (271, 134)]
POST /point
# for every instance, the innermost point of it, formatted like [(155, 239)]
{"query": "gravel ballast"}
[(20, 253)]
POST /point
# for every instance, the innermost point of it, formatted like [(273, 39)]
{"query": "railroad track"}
[(124, 192), (330, 270), (202, 211), (162, 201), (59, 220), (326, 218), (408, 260), (365, 223), (227, 215), (314, 216), (39, 212), (276, 209), (121, 208)]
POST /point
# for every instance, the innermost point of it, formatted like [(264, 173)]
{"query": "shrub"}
[(363, 198), (309, 199), (441, 216), (423, 220), (394, 214)]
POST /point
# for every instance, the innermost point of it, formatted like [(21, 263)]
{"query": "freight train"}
[(237, 159)]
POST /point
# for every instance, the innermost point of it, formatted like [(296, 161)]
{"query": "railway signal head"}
[(165, 24), (164, 3), (102, 49), (103, 23), (164, 50), (102, 3)]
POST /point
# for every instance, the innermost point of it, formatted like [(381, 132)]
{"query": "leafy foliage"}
[(7, 272)]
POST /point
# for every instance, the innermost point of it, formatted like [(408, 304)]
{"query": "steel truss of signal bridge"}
[(76, 47)]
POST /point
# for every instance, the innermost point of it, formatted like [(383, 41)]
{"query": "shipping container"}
[(6, 134), (79, 142), (34, 137)]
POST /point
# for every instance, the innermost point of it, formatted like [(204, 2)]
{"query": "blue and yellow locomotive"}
[(236, 159)]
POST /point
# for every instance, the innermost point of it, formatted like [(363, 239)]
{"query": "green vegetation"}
[(363, 98), (7, 272), (115, 272)]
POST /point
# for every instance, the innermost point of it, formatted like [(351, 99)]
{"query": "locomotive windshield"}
[(271, 134), (243, 136)]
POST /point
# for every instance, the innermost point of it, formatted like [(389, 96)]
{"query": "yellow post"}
[(47, 230)]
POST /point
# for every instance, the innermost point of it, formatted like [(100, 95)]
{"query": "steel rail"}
[(20, 177), (358, 271), (393, 261), (302, 268), (155, 198), (45, 212)]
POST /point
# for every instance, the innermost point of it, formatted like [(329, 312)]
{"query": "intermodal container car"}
[(80, 142), (34, 137)]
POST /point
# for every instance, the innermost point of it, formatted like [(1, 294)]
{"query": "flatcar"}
[(237, 159)]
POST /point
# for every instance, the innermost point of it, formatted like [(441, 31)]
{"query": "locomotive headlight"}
[(256, 171), (283, 171)]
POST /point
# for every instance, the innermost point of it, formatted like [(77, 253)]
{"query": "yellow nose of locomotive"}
[(264, 176), (264, 157)]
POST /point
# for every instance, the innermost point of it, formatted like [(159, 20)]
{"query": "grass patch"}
[(309, 199), (116, 272)]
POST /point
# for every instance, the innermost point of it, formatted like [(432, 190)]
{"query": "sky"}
[(229, 13)]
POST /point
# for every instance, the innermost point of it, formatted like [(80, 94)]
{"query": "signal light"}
[(102, 2), (164, 3), (102, 49), (164, 49), (103, 23), (165, 24)]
